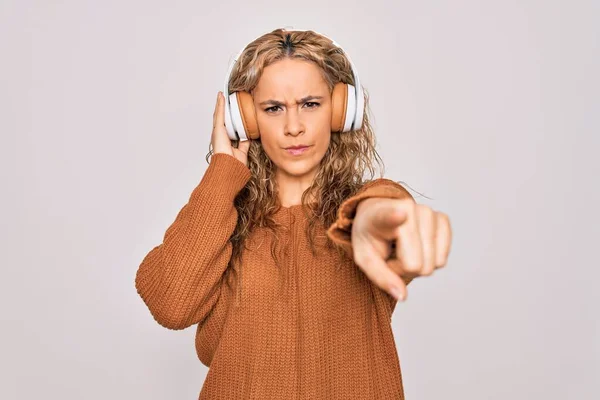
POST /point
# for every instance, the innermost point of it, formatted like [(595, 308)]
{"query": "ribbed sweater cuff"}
[(225, 176), (340, 231)]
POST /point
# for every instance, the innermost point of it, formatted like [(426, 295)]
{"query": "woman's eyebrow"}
[(279, 103)]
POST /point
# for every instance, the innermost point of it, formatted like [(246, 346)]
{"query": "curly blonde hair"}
[(342, 170)]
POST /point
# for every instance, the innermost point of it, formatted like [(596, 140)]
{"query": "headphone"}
[(347, 101)]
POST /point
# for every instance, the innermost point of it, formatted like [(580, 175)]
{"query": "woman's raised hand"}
[(221, 143)]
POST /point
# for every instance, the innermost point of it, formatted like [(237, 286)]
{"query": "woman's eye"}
[(272, 109)]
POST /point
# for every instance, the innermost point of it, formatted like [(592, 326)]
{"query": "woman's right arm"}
[(179, 280)]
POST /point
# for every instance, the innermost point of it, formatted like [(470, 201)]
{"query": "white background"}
[(490, 109)]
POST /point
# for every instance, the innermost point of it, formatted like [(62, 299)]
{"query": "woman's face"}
[(293, 108)]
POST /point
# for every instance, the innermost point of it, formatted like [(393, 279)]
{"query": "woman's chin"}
[(297, 169)]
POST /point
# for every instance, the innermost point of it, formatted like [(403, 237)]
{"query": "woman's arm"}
[(180, 279), (340, 231)]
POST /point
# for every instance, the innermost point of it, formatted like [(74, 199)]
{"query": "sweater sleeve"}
[(179, 280), (340, 231)]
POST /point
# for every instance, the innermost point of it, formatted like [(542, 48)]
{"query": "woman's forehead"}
[(291, 78)]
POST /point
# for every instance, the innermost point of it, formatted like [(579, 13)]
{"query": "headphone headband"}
[(356, 122)]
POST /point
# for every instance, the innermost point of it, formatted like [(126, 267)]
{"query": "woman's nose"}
[(293, 123)]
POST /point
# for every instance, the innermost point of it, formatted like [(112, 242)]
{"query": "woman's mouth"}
[(297, 150)]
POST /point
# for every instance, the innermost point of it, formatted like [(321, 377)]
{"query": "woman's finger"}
[(427, 222), (377, 270), (216, 110), (244, 145), (220, 139), (220, 117), (387, 218), (443, 240), (409, 249)]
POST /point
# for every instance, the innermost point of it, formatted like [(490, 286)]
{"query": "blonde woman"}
[(287, 259)]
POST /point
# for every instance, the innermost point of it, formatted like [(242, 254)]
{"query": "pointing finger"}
[(379, 273)]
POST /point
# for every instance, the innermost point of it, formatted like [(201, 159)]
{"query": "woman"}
[(283, 258)]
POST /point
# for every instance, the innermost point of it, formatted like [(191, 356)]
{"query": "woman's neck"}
[(291, 188)]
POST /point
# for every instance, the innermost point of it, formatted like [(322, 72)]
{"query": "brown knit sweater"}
[(327, 335)]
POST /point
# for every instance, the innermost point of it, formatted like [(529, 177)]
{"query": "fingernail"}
[(397, 293)]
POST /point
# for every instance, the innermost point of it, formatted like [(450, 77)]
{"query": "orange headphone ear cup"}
[(339, 102), (248, 113)]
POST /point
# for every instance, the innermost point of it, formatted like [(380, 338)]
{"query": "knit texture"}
[(328, 335)]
